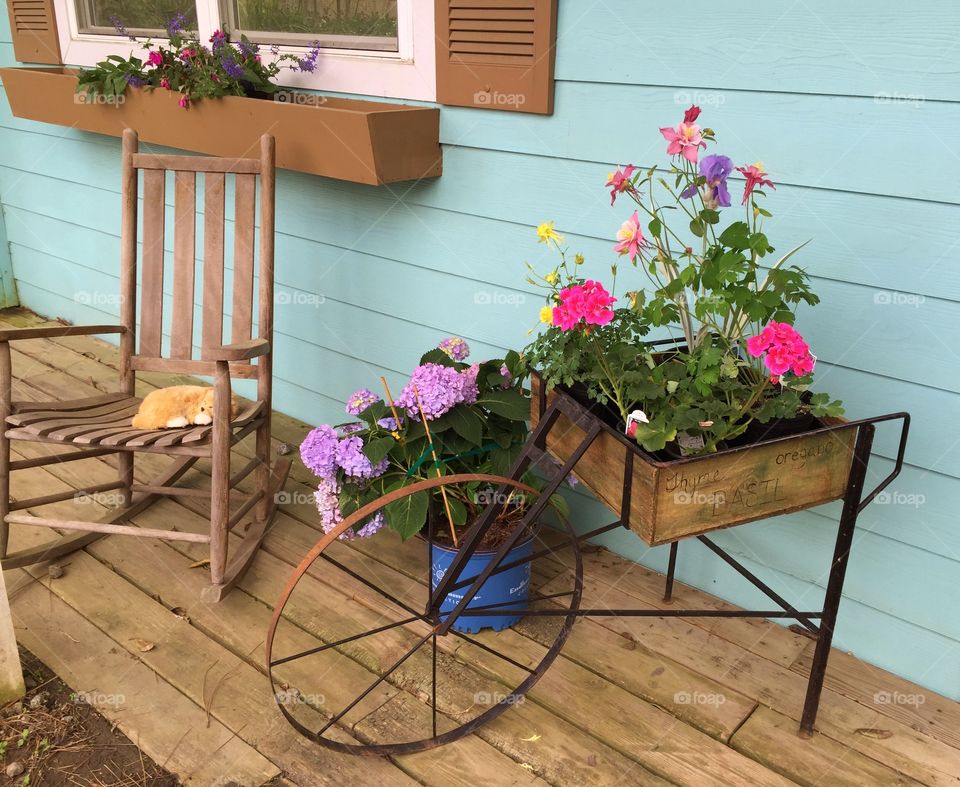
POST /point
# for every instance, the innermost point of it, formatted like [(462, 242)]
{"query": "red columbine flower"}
[(619, 182), (755, 177), (691, 115)]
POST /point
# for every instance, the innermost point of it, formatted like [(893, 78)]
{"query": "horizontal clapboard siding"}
[(369, 277)]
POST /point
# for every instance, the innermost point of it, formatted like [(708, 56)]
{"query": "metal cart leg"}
[(671, 568), (838, 569)]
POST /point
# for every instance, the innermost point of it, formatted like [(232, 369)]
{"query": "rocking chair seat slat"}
[(65, 407), (93, 422)]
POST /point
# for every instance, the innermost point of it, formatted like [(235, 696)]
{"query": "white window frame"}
[(409, 73)]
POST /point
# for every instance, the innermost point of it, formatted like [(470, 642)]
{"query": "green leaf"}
[(655, 226), (467, 424), (408, 515), (437, 356), (736, 236), (509, 403), (378, 448), (696, 227)]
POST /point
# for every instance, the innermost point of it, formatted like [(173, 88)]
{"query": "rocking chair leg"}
[(267, 503), (220, 479), (125, 473)]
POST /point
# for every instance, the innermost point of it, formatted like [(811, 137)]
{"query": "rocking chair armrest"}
[(241, 351), (53, 331)]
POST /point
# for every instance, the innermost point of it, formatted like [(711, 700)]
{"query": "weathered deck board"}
[(168, 727), (630, 672), (770, 738)]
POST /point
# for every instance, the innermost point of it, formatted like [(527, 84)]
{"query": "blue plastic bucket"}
[(510, 588)]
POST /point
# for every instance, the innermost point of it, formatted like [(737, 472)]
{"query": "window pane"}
[(136, 17), (345, 24)]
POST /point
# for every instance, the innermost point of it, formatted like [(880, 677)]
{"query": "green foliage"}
[(710, 285)]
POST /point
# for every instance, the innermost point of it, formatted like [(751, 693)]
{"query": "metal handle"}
[(904, 430)]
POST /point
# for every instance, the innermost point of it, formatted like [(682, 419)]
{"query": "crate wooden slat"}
[(672, 500)]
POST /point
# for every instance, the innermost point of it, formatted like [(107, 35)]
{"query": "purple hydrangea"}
[(345, 429), (440, 388), (507, 377), (389, 423), (455, 347), (327, 498), (350, 456), (361, 400), (318, 451)]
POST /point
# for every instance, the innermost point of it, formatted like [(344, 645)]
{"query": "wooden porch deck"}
[(184, 679)]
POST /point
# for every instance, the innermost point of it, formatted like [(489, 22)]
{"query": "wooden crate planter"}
[(672, 500), (348, 139)]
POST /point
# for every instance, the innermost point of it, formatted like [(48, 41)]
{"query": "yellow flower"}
[(551, 278), (578, 259), (546, 315), (547, 233)]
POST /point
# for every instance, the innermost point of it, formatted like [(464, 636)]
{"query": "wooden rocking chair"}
[(100, 426)]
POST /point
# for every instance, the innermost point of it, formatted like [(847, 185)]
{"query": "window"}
[(336, 24), (369, 47)]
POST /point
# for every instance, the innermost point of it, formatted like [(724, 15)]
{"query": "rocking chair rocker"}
[(100, 426)]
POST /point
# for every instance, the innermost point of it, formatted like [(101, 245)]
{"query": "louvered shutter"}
[(496, 54), (33, 25)]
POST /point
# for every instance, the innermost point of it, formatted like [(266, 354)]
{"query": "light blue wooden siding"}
[(853, 108), (8, 286)]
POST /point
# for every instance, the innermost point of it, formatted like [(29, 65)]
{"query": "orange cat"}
[(178, 406)]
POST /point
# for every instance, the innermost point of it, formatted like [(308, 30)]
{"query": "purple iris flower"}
[(231, 66), (715, 169)]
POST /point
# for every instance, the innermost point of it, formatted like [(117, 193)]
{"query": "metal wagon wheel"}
[(388, 677)]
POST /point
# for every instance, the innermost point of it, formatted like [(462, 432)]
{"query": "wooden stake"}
[(436, 462)]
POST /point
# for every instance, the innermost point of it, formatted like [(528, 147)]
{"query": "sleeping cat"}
[(178, 406)]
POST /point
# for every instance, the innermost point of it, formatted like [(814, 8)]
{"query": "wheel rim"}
[(400, 675)]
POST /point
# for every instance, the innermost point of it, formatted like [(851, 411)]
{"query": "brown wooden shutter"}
[(33, 26), (496, 54)]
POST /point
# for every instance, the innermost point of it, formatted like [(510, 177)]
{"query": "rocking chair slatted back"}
[(183, 356)]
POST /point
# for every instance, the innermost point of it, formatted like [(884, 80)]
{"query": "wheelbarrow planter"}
[(669, 500)]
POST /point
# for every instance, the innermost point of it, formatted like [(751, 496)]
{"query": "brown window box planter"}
[(347, 139), (697, 494)]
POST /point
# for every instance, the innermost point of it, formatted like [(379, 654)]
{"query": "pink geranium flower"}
[(630, 238), (784, 350), (685, 140), (619, 182), (155, 59), (588, 303), (755, 177), (184, 102)]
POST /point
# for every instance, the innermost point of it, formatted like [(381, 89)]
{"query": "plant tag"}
[(689, 443), (633, 420)]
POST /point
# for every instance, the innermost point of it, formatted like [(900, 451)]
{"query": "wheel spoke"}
[(369, 584), (497, 653), (393, 668), (344, 641)]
